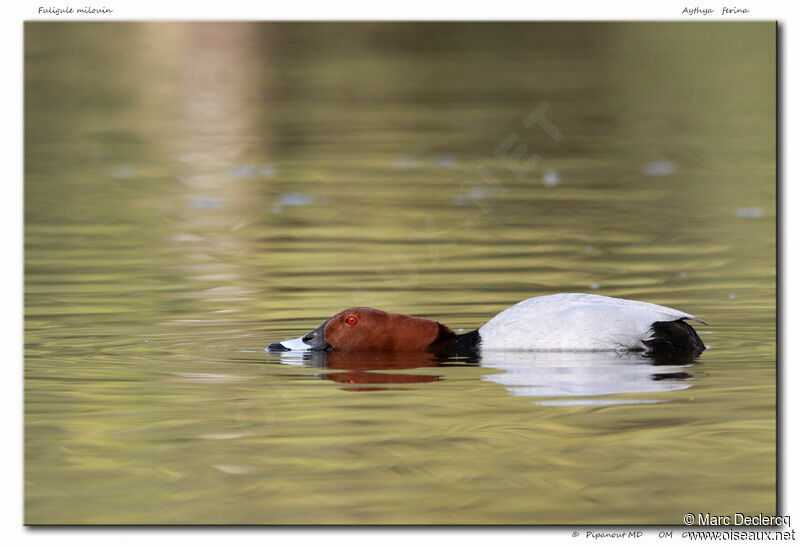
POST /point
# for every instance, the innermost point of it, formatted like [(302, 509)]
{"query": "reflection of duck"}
[(576, 378), (566, 378), (359, 368), (558, 322)]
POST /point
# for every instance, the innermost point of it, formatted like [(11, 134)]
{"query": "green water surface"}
[(196, 191)]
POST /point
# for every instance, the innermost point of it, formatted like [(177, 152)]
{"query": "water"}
[(196, 191)]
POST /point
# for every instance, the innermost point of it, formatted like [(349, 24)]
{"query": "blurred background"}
[(194, 191)]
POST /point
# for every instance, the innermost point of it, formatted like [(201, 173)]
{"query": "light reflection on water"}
[(194, 192)]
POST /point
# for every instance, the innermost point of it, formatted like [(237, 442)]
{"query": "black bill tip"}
[(276, 347)]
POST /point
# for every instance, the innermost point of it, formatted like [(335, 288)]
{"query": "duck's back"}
[(580, 322)]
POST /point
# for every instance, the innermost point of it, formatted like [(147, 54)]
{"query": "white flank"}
[(575, 322)]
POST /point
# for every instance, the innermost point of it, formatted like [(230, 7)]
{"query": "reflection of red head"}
[(361, 368), (373, 378), (367, 329)]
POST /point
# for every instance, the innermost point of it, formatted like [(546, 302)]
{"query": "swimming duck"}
[(559, 322)]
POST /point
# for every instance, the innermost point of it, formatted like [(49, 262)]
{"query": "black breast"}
[(466, 345)]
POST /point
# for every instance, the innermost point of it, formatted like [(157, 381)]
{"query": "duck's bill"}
[(296, 344), (312, 341)]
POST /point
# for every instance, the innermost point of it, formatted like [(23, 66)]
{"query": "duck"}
[(557, 322)]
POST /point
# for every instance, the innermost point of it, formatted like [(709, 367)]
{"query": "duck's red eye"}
[(351, 320)]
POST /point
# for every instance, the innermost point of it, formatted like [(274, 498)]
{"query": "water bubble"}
[(405, 162), (243, 171), (660, 168), (222, 436), (231, 468), (445, 161), (479, 192), (292, 200), (186, 238), (551, 177), (749, 212), (594, 286), (204, 203), (473, 194), (295, 199)]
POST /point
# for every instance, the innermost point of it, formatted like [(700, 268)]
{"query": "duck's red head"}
[(368, 329)]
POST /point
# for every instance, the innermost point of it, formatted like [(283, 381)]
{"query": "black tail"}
[(674, 339)]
